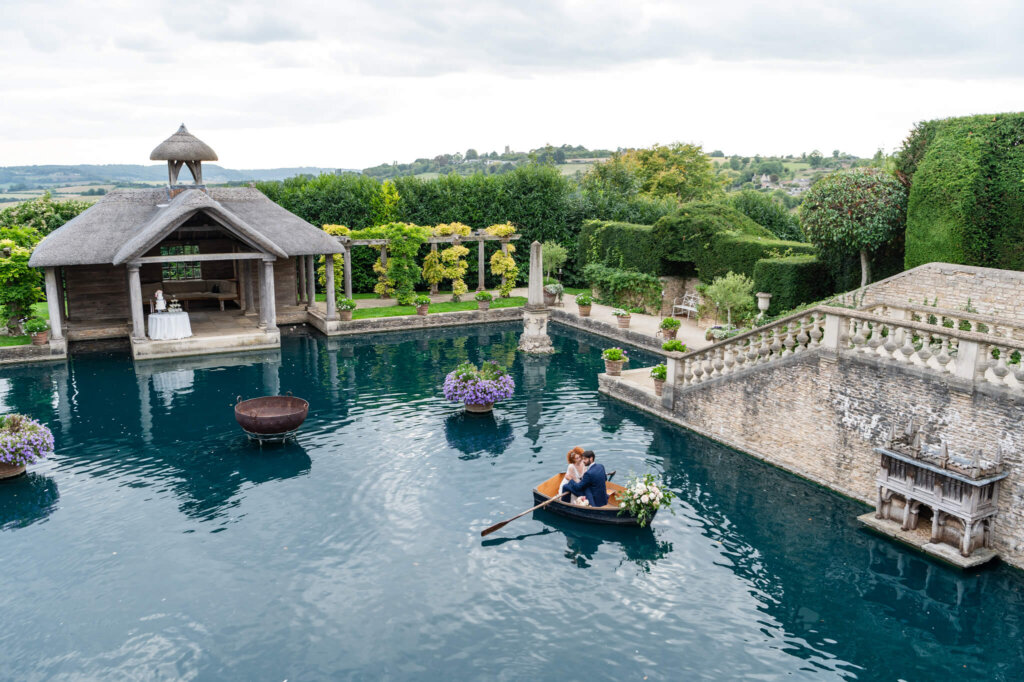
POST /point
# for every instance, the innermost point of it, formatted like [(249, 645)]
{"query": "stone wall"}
[(998, 293), (820, 415), (673, 288)]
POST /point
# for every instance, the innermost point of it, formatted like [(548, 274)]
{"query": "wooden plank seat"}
[(219, 290)]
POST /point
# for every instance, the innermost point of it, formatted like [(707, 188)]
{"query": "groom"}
[(592, 485)]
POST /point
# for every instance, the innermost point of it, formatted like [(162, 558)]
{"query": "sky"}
[(350, 84)]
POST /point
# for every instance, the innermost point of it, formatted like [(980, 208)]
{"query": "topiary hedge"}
[(966, 200), (792, 280), (625, 246)]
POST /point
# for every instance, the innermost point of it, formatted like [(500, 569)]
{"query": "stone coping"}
[(53, 351), (628, 336), (412, 322)]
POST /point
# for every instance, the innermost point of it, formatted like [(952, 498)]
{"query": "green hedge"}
[(966, 198), (625, 246), (792, 281)]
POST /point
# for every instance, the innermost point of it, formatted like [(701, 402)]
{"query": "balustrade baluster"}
[(816, 320), (1000, 370), (890, 345), (925, 353), (856, 337), (740, 355), (752, 348), (698, 370), (728, 358), (687, 372), (907, 349), (718, 362), (801, 336), (776, 347)]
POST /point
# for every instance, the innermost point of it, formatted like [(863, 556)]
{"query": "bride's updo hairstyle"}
[(573, 455)]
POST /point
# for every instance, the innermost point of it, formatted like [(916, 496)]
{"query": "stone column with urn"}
[(535, 337)]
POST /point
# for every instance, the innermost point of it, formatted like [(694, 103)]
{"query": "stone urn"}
[(345, 315), (669, 333), (479, 409), (613, 367), (659, 386), (763, 301), (422, 309), (11, 470), (483, 305), (549, 298), (623, 320), (584, 310), (40, 339)]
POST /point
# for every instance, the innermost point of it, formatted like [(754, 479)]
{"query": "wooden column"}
[(329, 270), (269, 304), (347, 264), (300, 293), (480, 265), (310, 280), (53, 303), (251, 279), (62, 299), (135, 296), (433, 287)]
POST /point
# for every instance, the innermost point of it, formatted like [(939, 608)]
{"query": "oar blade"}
[(488, 531)]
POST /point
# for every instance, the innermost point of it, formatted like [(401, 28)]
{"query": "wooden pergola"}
[(307, 274)]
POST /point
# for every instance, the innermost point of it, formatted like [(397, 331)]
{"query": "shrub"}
[(555, 289), (624, 287), (34, 325), (659, 372), (346, 303), (421, 299), (670, 323), (504, 265), (674, 345), (614, 354), (584, 299), (620, 245), (792, 280), (732, 292), (553, 256), (768, 213), (19, 284), (484, 296), (42, 214)]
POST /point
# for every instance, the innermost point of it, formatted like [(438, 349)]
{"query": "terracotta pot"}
[(11, 470), (345, 315), (584, 311), (613, 367), (669, 333), (41, 338), (479, 409), (483, 305), (549, 299), (659, 384), (623, 321), (422, 309)]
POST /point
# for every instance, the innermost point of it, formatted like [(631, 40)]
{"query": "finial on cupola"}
[(183, 148)]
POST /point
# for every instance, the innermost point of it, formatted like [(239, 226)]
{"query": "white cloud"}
[(359, 83)]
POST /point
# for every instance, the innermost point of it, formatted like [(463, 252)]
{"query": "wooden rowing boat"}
[(608, 514)]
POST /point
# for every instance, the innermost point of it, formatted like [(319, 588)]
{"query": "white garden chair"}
[(685, 305)]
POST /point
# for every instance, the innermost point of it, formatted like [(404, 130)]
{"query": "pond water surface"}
[(159, 543)]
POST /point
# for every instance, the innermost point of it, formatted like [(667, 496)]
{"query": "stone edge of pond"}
[(430, 321), (17, 355), (589, 324)]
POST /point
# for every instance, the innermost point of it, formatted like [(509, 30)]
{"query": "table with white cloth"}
[(169, 326)]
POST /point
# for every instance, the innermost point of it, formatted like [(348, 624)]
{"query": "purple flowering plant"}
[(478, 386), (23, 440)]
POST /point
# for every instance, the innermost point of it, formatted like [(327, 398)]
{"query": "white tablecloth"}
[(169, 326)]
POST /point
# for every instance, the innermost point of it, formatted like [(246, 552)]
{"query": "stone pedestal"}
[(535, 337)]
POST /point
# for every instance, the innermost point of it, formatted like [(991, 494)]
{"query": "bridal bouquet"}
[(643, 496)]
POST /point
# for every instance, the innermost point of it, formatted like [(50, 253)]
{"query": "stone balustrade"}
[(950, 319), (979, 358)]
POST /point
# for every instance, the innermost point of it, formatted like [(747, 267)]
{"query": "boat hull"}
[(605, 515)]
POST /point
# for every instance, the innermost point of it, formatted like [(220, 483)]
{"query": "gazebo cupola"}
[(183, 148)]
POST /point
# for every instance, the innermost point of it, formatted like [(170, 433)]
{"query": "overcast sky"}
[(272, 83)]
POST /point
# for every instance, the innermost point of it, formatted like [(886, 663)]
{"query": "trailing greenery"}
[(402, 272), (792, 280), (624, 288), (453, 259), (966, 201), (767, 212), (504, 265)]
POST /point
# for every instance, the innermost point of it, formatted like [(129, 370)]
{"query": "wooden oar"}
[(491, 529)]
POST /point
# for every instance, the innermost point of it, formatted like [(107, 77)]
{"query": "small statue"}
[(161, 304)]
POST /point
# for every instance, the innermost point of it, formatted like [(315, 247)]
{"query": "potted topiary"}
[(483, 300), (669, 327), (584, 301), (623, 317), (614, 359), (345, 308), (39, 329), (479, 388), (674, 345), (659, 373), (22, 442), (422, 303), (552, 293)]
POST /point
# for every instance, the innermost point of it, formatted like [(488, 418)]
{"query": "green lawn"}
[(446, 307), (14, 341), (39, 310)]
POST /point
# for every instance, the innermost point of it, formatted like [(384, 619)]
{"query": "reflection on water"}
[(181, 550)]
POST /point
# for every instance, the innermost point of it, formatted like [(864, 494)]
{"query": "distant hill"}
[(13, 178)]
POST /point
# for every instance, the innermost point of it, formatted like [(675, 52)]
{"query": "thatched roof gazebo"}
[(198, 244)]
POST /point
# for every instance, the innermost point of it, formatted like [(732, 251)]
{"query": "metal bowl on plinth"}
[(270, 418)]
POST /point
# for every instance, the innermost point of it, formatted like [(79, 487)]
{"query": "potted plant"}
[(479, 388), (39, 329), (674, 345), (669, 327), (483, 300), (584, 301), (345, 308), (552, 293), (614, 359), (623, 317), (659, 373), (422, 303), (22, 442)]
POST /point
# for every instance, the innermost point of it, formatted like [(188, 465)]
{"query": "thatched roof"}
[(183, 146), (126, 223)]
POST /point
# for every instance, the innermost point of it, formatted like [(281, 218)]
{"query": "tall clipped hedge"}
[(966, 200), (625, 246), (792, 280)]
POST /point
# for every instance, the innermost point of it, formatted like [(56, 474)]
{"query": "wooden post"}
[(242, 271), (310, 280), (300, 294), (329, 269), (53, 303), (269, 304), (135, 296), (433, 286), (347, 264), (62, 296), (251, 280), (480, 265)]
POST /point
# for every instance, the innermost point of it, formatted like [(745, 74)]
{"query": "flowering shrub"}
[(584, 299), (674, 345), (614, 354), (478, 386), (346, 303), (643, 496), (484, 296), (35, 325), (504, 265), (619, 312), (659, 372), (23, 440), (421, 299)]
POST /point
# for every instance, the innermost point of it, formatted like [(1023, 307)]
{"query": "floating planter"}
[(271, 418), (22, 442), (614, 359), (479, 388)]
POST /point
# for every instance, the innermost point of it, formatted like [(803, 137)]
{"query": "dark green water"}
[(159, 544)]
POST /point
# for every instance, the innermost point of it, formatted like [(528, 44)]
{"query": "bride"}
[(574, 472)]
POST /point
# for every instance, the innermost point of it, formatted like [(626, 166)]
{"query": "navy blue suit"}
[(591, 486)]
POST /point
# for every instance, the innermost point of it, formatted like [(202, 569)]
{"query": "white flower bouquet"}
[(643, 496)]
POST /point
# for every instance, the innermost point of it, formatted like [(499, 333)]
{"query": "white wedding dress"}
[(571, 473)]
